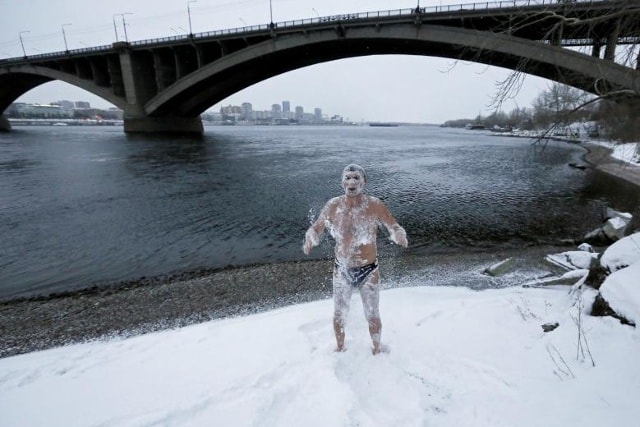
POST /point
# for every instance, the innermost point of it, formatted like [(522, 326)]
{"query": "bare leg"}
[(338, 328), (341, 298), (369, 292), (375, 330)]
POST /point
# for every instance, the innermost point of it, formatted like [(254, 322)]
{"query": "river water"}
[(87, 205)]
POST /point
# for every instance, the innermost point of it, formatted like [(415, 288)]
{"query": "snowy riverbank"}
[(141, 307), (454, 357)]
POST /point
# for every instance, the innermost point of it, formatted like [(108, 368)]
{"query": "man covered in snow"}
[(353, 220)]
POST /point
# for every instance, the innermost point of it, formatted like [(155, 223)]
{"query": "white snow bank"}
[(572, 260), (622, 253), (456, 358), (622, 291), (626, 152)]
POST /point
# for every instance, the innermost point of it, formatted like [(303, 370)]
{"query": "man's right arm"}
[(312, 236), (397, 234)]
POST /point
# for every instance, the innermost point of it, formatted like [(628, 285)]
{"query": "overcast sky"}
[(389, 87)]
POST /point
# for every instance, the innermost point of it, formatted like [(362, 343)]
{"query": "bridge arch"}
[(23, 78), (213, 82)]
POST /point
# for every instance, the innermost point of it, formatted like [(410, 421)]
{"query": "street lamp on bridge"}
[(124, 25), (24, 52), (189, 13), (64, 36), (271, 14), (115, 29)]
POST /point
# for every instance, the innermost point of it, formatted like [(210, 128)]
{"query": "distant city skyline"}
[(285, 106)]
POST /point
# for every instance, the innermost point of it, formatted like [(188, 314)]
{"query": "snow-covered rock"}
[(597, 237), (622, 253), (612, 213), (621, 291), (586, 247), (615, 228), (499, 267), (572, 260)]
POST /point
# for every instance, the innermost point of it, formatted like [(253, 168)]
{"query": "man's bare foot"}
[(340, 349), (381, 348)]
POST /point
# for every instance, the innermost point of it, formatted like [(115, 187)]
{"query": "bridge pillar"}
[(612, 42), (5, 126), (181, 125), (597, 45), (140, 85)]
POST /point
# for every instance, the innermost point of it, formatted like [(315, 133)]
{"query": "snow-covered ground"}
[(627, 153), (453, 357)]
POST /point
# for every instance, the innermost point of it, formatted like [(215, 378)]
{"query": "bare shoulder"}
[(334, 201), (375, 202), (331, 206)]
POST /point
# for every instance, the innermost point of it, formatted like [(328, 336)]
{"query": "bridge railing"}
[(350, 17), (323, 20)]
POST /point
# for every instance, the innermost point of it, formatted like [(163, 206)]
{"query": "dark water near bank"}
[(84, 205)]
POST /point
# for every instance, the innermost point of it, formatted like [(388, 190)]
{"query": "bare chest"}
[(353, 223)]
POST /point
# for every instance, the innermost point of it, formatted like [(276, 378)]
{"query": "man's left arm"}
[(396, 232)]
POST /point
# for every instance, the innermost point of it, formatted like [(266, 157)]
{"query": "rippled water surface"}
[(87, 205)]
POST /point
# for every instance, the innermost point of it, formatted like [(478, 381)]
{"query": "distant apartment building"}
[(261, 115), (115, 113), (247, 111), (276, 111), (66, 105), (83, 104), (278, 114), (231, 113), (38, 111)]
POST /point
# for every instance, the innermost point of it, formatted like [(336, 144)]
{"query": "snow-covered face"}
[(353, 183)]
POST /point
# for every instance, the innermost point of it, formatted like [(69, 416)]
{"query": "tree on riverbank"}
[(611, 36), (620, 120), (559, 106)]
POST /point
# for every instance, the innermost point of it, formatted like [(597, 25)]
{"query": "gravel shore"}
[(148, 305), (152, 304)]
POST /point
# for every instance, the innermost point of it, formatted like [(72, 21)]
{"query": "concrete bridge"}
[(164, 84)]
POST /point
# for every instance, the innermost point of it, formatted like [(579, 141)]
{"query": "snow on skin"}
[(457, 357)]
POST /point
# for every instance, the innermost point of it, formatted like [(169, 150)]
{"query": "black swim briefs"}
[(355, 276)]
